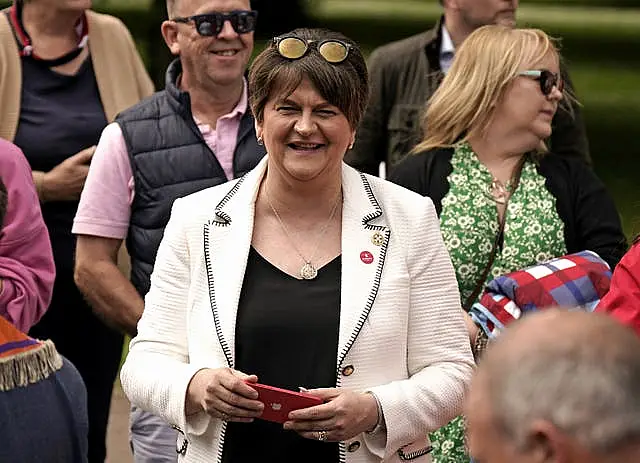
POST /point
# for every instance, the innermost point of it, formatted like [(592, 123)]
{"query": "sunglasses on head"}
[(547, 80), (211, 24), (332, 50)]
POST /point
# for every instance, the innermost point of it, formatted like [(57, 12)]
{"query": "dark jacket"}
[(591, 221), (171, 159), (403, 77)]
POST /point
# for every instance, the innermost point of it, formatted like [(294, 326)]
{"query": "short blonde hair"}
[(484, 65)]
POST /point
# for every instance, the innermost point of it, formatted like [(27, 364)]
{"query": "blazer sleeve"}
[(156, 373), (27, 268), (623, 299), (439, 358), (597, 225), (370, 148), (569, 135)]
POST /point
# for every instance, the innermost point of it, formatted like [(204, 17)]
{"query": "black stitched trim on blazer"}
[(212, 299), (226, 218), (372, 295)]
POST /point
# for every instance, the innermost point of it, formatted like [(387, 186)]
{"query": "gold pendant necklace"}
[(498, 191), (308, 271)]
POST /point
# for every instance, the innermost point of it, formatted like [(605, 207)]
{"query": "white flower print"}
[(533, 233)]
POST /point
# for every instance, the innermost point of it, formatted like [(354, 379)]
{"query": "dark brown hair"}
[(344, 85)]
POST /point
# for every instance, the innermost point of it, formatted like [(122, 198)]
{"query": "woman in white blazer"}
[(303, 274)]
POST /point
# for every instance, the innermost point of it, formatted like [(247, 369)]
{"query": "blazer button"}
[(348, 370), (353, 446)]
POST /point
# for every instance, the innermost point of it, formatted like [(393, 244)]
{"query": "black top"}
[(587, 210), (60, 115), (287, 334)]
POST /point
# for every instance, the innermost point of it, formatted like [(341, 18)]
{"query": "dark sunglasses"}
[(547, 80), (332, 50), (211, 24)]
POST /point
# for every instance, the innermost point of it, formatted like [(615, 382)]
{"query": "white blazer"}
[(402, 332)]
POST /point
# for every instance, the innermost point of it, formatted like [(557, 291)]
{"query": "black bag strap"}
[(496, 243)]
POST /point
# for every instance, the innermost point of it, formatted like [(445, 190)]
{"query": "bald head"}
[(563, 332), (171, 5), (579, 372)]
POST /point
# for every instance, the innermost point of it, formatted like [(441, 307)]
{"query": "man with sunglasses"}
[(196, 133), (405, 74)]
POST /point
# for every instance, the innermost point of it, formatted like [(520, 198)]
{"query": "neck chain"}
[(308, 271), (499, 192)]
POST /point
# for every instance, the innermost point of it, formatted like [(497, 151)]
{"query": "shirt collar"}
[(446, 48), (243, 103), (237, 112)]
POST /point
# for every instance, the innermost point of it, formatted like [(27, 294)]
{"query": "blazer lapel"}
[(365, 238), (227, 241)]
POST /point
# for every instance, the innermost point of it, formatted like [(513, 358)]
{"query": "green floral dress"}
[(533, 233)]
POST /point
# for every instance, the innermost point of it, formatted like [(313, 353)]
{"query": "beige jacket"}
[(120, 73)]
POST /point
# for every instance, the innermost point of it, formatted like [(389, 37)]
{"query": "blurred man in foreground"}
[(557, 387)]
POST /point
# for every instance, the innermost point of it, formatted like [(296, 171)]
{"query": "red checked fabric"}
[(576, 280)]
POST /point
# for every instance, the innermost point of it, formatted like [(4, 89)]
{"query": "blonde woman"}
[(503, 204)]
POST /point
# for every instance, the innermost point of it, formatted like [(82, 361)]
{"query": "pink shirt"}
[(105, 203), (26, 260)]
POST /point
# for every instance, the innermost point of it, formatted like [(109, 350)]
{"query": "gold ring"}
[(322, 436)]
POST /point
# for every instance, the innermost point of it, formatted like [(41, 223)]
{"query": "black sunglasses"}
[(211, 24), (332, 50), (547, 80)]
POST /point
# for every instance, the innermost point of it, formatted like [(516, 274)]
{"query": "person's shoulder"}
[(106, 22), (149, 107), (417, 160), (407, 213), (632, 258), (12, 160), (396, 200), (5, 25), (395, 53), (416, 164), (201, 205), (554, 165)]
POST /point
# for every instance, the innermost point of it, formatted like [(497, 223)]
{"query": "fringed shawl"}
[(24, 360)]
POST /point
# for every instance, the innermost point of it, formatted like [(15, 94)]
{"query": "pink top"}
[(110, 175), (27, 269)]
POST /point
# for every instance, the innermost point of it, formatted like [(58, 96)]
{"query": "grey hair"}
[(588, 392)]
